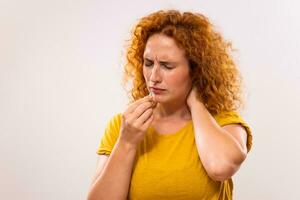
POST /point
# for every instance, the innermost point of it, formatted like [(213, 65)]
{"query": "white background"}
[(60, 82)]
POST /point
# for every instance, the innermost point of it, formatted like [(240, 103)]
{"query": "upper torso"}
[(167, 166)]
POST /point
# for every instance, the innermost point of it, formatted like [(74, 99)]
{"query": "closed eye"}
[(148, 64), (166, 66)]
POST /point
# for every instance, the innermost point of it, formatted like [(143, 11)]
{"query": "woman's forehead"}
[(162, 47)]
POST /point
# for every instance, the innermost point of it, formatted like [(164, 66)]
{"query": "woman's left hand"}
[(192, 97)]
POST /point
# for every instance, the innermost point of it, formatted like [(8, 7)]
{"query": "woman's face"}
[(166, 69)]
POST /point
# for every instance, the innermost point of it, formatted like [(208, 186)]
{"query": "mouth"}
[(156, 90)]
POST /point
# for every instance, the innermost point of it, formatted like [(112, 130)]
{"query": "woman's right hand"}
[(136, 120)]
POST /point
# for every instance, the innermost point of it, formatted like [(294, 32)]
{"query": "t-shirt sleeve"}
[(233, 117), (110, 135)]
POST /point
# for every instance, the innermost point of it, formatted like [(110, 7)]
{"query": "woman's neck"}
[(167, 111)]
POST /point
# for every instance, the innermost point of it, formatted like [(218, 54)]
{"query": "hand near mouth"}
[(152, 95)]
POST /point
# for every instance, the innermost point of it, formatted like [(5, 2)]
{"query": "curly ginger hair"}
[(212, 69)]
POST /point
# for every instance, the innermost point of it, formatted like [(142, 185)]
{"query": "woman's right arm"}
[(113, 178), (113, 174)]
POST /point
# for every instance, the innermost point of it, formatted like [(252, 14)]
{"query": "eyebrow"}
[(161, 62)]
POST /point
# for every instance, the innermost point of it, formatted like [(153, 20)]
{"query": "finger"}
[(139, 110), (154, 104), (144, 117), (148, 122), (134, 105), (152, 98)]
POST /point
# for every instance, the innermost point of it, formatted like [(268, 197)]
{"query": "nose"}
[(155, 74)]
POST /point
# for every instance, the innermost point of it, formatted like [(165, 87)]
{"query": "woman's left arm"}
[(221, 149)]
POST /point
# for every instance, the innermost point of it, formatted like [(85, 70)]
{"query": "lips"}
[(156, 90)]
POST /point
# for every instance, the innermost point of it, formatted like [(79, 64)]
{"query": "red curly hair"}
[(212, 69)]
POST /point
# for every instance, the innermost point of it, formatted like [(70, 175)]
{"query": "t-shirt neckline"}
[(170, 135)]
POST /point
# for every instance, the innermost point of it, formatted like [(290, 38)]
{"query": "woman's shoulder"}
[(117, 117), (225, 117), (234, 117), (110, 134), (115, 120)]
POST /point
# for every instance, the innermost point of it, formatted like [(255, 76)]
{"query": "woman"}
[(186, 139)]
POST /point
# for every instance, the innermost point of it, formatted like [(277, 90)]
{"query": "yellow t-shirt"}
[(169, 167)]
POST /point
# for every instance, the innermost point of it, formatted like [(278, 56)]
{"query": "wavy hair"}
[(212, 69)]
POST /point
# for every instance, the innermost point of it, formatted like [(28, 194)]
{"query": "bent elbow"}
[(223, 172), (220, 175)]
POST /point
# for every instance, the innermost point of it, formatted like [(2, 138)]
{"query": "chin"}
[(159, 99), (162, 99), (168, 100)]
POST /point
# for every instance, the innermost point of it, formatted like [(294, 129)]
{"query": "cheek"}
[(180, 81), (145, 74), (180, 84)]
